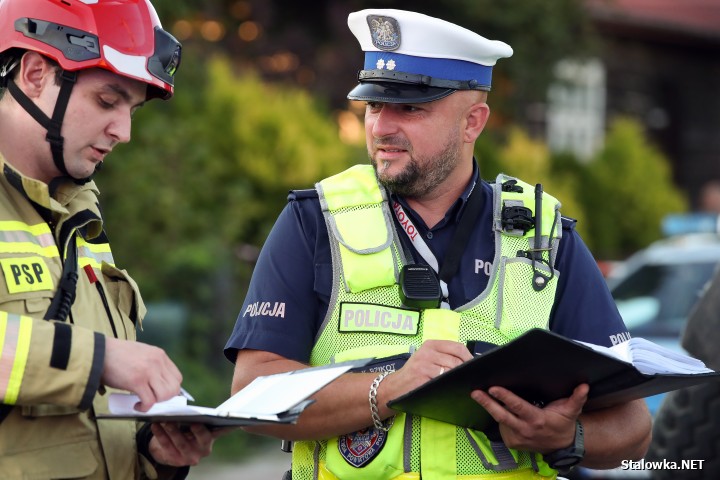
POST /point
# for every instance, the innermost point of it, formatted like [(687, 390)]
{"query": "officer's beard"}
[(421, 175)]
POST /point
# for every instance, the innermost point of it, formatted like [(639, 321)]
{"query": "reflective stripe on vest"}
[(508, 307)]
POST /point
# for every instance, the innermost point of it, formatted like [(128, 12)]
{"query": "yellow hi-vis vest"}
[(367, 257)]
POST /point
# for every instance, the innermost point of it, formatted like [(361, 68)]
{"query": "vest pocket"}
[(364, 246), (520, 306), (34, 304)]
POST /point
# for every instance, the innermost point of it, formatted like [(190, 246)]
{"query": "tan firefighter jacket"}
[(50, 371)]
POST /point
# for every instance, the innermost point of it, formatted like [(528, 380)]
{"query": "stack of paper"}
[(651, 358), (278, 398)]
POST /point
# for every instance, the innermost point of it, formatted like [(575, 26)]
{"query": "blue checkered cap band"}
[(415, 49)]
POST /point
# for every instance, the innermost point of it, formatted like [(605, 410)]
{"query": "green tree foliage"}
[(531, 161), (619, 198), (540, 32), (627, 191), (209, 171)]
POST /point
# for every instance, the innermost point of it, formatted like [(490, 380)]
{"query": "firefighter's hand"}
[(525, 426), (173, 446), (140, 368)]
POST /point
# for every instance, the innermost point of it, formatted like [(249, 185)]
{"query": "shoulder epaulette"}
[(302, 194), (568, 223)]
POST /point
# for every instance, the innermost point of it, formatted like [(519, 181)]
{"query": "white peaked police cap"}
[(415, 58)]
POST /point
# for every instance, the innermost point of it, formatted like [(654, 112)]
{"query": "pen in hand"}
[(186, 394)]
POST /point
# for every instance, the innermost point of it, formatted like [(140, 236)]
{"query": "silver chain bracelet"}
[(372, 397)]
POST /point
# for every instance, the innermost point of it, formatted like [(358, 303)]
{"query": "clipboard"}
[(539, 366)]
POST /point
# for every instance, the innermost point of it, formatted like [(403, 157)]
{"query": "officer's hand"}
[(430, 360), (142, 369), (175, 447), (525, 426)]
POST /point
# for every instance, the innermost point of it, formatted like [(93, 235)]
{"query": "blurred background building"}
[(661, 64)]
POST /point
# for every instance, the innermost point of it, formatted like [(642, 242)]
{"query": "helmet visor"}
[(164, 62)]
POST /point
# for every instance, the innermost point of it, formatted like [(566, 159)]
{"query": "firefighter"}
[(72, 72)]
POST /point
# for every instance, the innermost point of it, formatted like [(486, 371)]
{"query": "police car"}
[(655, 290)]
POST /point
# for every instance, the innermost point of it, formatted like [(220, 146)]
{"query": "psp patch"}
[(26, 274), (359, 448)]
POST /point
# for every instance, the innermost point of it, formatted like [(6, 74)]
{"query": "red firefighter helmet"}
[(122, 36)]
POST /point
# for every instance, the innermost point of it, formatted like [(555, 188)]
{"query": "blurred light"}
[(241, 10), (248, 31), (305, 76), (282, 62), (351, 129), (182, 30), (357, 106), (286, 61), (212, 30), (678, 224)]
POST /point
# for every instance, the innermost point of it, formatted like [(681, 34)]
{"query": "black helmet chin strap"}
[(54, 124)]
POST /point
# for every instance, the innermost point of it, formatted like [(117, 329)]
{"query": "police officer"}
[(344, 272), (72, 73)]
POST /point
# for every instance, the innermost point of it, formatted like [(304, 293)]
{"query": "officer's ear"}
[(476, 116), (35, 74)]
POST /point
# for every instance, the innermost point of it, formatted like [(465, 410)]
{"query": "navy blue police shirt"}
[(288, 296)]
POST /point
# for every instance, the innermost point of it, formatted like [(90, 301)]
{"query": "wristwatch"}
[(566, 458)]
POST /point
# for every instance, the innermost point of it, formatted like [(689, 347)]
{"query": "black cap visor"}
[(393, 92)]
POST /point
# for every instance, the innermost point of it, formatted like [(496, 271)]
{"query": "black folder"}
[(539, 366)]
